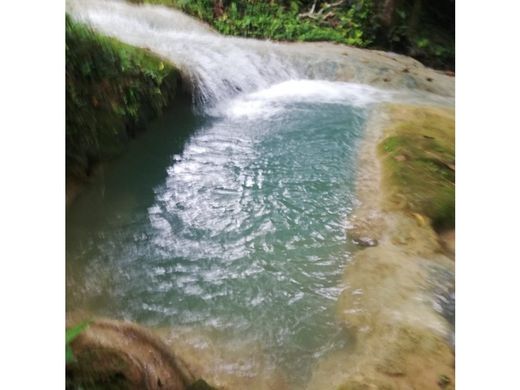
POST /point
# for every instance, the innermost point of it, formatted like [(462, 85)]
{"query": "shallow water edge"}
[(400, 289)]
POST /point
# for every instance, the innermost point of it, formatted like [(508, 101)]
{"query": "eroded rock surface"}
[(121, 355), (398, 303)]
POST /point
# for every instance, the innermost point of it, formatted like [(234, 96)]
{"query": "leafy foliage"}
[(281, 20), (70, 335), (112, 90), (422, 29)]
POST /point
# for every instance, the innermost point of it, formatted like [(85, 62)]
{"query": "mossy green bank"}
[(112, 91), (418, 155)]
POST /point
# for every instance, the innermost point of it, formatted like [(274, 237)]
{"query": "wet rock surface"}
[(121, 355), (399, 303)]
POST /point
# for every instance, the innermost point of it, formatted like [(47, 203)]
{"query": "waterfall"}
[(218, 68)]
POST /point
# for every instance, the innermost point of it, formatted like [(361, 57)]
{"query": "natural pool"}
[(227, 220), (234, 223)]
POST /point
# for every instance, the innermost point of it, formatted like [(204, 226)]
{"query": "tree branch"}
[(311, 14)]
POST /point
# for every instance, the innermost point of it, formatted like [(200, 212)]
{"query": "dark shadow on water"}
[(122, 186), (135, 174)]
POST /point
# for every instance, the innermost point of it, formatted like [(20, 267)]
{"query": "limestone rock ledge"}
[(399, 296)]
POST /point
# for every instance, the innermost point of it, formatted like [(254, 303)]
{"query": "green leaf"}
[(72, 333), (423, 42)]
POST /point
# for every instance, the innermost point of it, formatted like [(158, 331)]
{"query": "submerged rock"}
[(365, 241)]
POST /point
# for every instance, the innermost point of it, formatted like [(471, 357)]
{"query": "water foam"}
[(275, 99)]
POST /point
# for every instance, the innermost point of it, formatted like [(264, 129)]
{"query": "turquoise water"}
[(233, 222)]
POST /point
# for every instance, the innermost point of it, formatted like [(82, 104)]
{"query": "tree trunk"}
[(218, 8), (388, 12)]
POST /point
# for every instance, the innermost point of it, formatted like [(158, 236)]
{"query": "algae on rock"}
[(418, 155), (392, 304)]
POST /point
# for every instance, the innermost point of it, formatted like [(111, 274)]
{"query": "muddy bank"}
[(399, 299)]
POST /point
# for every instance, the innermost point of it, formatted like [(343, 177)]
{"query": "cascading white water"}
[(218, 67)]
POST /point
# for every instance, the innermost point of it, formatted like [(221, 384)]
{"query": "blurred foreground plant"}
[(70, 335)]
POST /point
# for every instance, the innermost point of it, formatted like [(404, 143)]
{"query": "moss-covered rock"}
[(418, 155), (112, 91)]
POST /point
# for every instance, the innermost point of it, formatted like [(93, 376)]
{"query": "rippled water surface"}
[(234, 223)]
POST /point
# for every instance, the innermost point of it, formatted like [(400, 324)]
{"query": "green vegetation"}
[(70, 335), (112, 91), (272, 20), (419, 163), (425, 31)]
